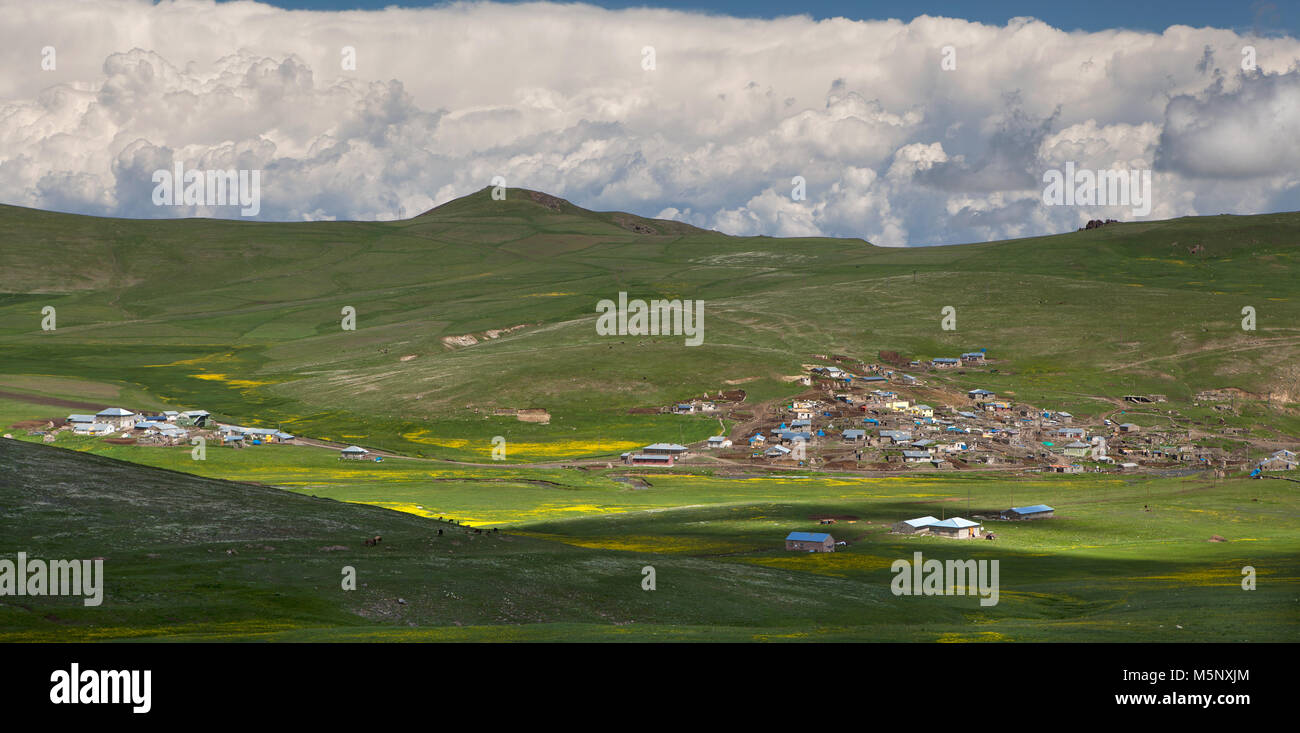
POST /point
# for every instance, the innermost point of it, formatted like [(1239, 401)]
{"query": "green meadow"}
[(193, 558)]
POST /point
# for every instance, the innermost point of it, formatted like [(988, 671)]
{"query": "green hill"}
[(243, 318)]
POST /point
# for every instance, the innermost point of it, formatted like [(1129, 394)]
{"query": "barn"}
[(956, 528), (648, 459), (810, 542), (1034, 511)]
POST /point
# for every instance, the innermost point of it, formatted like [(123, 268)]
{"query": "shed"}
[(1034, 511), (353, 453), (810, 542)]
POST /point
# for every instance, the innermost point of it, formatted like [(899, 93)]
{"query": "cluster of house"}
[(238, 435), (857, 414), (903, 429), (169, 427)]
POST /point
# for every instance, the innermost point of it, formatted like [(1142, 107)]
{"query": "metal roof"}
[(955, 523), (1033, 509), (921, 521), (114, 412), (808, 536)]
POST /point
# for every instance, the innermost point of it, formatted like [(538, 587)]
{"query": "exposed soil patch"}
[(836, 517), (52, 401)]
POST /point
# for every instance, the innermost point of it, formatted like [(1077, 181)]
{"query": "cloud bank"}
[(700, 118)]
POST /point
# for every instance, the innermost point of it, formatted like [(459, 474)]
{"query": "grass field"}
[(1104, 569)]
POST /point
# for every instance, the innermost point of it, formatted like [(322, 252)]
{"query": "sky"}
[(1259, 16), (912, 130)]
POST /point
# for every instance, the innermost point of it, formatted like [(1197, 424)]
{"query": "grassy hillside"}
[(187, 557), (243, 319)]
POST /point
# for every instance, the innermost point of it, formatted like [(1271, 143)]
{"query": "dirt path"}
[(1265, 344)]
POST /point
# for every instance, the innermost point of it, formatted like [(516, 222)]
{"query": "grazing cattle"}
[(373, 541)]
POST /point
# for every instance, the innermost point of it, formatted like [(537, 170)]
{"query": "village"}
[(873, 417), (853, 416)]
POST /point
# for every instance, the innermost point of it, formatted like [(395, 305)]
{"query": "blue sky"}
[(1260, 16)]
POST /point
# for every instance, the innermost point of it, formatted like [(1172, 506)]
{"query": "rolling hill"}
[(481, 304)]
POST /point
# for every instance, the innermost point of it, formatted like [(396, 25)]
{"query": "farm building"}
[(117, 417), (93, 428), (916, 456), (1283, 460), (1035, 511), (854, 435), (777, 451), (351, 453), (944, 363), (80, 419), (1129, 427), (719, 441), (955, 528), (981, 394), (973, 357), (1063, 468), (810, 542), (648, 459)]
